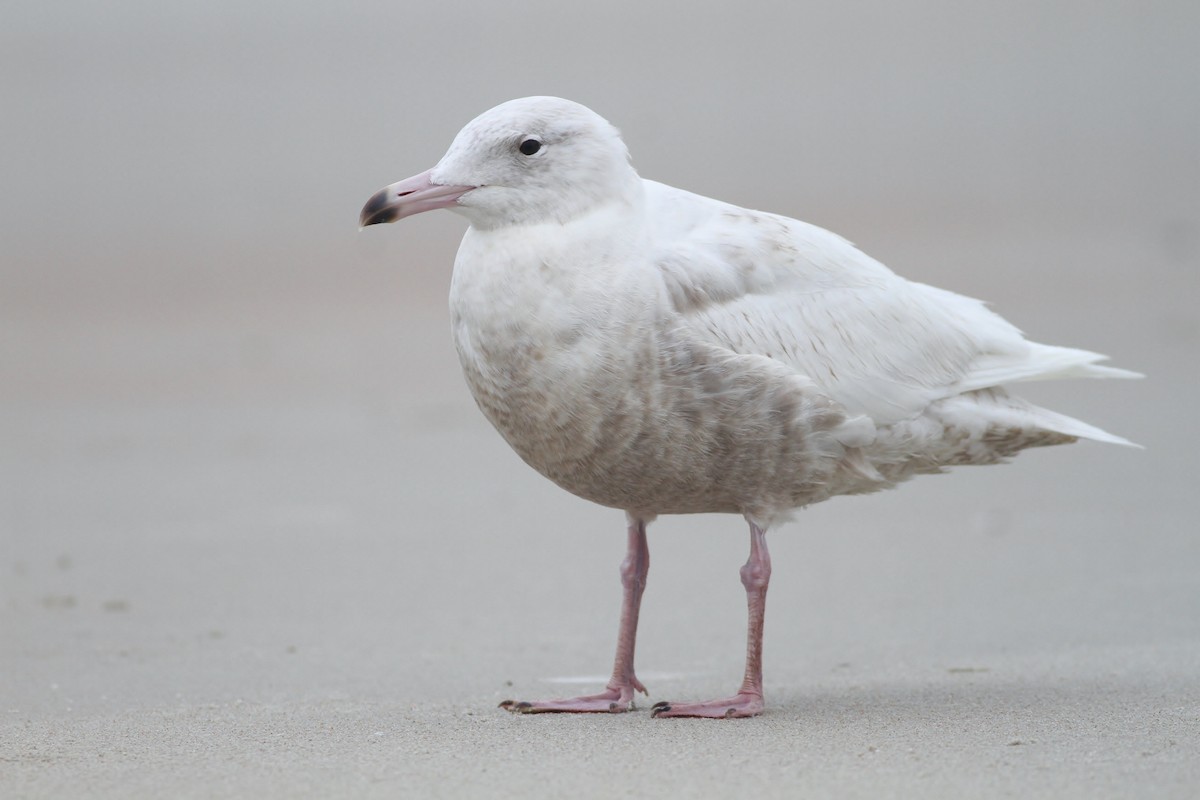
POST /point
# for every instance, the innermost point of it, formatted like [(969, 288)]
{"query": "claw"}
[(517, 707)]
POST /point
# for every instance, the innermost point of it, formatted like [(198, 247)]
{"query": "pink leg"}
[(618, 695), (748, 702)]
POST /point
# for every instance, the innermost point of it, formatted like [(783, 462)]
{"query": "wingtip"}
[(1121, 440), (1094, 434), (1102, 371)]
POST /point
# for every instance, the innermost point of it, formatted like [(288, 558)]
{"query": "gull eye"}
[(530, 146)]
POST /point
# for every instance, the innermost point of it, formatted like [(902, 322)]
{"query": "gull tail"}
[(1061, 423), (1043, 362), (1010, 423)]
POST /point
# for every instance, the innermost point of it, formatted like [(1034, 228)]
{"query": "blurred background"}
[(238, 460)]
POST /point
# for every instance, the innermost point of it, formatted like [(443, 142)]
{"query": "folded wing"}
[(880, 345)]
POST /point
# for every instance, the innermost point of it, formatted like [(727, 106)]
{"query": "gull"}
[(660, 352)]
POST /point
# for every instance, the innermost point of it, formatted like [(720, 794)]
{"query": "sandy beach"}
[(256, 540)]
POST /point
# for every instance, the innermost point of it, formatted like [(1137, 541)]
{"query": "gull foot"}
[(611, 701), (740, 705)]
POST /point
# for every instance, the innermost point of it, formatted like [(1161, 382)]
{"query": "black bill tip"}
[(380, 208)]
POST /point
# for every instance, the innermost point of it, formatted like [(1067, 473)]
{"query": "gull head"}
[(531, 161)]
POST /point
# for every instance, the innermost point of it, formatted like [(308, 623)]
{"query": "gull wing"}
[(882, 346)]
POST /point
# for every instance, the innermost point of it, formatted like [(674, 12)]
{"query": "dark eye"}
[(530, 146)]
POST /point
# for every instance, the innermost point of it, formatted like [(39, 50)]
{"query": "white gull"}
[(660, 352)]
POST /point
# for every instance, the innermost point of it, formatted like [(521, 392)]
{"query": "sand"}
[(256, 541)]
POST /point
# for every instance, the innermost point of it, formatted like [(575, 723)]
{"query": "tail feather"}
[(1061, 423), (989, 410)]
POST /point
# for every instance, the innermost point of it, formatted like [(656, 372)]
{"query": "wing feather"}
[(758, 283)]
